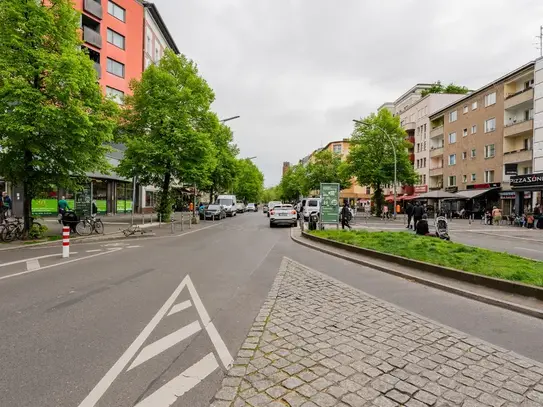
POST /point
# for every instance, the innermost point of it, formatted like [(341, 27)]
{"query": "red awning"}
[(390, 198), (409, 197)]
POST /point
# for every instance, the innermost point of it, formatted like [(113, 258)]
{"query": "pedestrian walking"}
[(496, 216), (62, 208), (418, 211), (345, 215), (6, 204), (409, 212), (385, 211)]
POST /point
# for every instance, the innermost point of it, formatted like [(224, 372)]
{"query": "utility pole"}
[(540, 38)]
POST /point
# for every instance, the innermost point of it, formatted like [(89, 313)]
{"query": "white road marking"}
[(53, 265), (132, 247), (530, 250), (175, 388), (93, 250), (150, 351), (180, 307), (59, 255), (32, 265), (197, 230)]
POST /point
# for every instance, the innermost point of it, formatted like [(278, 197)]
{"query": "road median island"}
[(502, 271)]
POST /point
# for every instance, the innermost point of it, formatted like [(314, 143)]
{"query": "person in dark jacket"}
[(345, 215), (409, 212), (418, 211), (422, 227)]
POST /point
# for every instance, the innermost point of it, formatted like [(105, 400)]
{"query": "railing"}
[(92, 37), (518, 127), (512, 95), (94, 7)]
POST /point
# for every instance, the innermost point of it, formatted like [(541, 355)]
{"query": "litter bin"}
[(313, 220)]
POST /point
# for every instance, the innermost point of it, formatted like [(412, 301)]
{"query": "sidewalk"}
[(318, 342)]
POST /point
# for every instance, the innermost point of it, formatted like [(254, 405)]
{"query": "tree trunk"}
[(27, 194), (378, 200), (165, 207)]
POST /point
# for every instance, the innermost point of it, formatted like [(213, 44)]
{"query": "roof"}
[(409, 92), (485, 87), (161, 25), (345, 140)]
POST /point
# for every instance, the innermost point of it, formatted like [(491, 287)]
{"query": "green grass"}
[(443, 253)]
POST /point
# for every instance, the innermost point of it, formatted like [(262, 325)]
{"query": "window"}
[(527, 170), (452, 138), (464, 178), (115, 94), (425, 146), (148, 62), (490, 151), (337, 148), (368, 190), (464, 155), (466, 109), (490, 125), (149, 44), (452, 159), (474, 129), (473, 153), (424, 179), (474, 105), (453, 116), (473, 177), (157, 53), (115, 68), (116, 11), (424, 162), (115, 38), (527, 144), (489, 176), (490, 99), (528, 84), (418, 163), (465, 133), (452, 180)]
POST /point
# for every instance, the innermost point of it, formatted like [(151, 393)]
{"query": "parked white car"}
[(311, 205), (272, 205), (284, 214)]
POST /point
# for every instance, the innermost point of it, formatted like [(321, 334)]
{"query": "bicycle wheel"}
[(83, 228), (9, 233), (99, 227), (2, 232)]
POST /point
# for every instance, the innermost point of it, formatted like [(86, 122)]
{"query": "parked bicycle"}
[(88, 225), (12, 230)]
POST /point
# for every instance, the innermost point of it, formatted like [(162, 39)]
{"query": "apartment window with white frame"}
[(489, 176), (149, 42), (464, 155), (490, 125), (452, 138), (453, 116), (474, 129), (490, 99), (336, 148), (490, 151), (114, 94), (473, 153), (424, 162), (466, 109), (473, 177), (452, 180), (452, 159), (474, 106), (115, 38), (116, 11), (464, 178), (465, 133), (115, 68)]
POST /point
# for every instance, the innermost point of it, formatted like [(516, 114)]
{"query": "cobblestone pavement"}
[(320, 343)]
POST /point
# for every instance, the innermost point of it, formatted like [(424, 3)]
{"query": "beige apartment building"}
[(479, 141)]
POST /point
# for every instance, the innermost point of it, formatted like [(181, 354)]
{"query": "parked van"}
[(311, 205), (229, 202)]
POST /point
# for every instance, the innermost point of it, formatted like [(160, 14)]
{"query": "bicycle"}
[(88, 225), (133, 229), (15, 229)]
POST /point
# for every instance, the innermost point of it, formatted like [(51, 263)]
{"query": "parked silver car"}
[(215, 212)]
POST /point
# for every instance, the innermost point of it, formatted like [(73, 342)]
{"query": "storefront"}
[(527, 189)]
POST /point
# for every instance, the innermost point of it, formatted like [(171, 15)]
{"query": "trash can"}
[(313, 220)]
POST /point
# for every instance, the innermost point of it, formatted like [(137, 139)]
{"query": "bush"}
[(37, 231)]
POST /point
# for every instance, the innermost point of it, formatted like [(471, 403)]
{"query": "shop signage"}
[(527, 180), (451, 189), (83, 200), (330, 203), (527, 195), (421, 189), (511, 169), (484, 186), (508, 195)]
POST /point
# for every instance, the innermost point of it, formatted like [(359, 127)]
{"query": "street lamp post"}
[(229, 118), (393, 152)]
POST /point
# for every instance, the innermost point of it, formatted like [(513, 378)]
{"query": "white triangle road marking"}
[(180, 307)]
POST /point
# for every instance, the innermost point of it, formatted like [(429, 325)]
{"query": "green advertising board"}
[(330, 203)]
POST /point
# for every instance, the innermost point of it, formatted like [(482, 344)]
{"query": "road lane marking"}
[(530, 250), (187, 379), (165, 343), (197, 230), (132, 247), (32, 265), (180, 307), (11, 263), (175, 388), (54, 265), (93, 250)]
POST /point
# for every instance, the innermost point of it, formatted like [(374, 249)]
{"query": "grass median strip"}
[(443, 253)]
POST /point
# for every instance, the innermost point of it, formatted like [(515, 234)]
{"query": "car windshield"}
[(214, 207), (283, 207), (313, 203), (226, 202), (251, 205)]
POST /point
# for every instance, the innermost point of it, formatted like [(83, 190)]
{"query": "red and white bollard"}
[(66, 241)]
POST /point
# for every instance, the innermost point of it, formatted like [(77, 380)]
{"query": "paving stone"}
[(276, 391), (324, 400), (425, 397), (381, 386), (294, 399), (491, 400), (336, 391), (397, 396), (260, 400), (292, 382), (382, 401), (353, 400), (306, 390)]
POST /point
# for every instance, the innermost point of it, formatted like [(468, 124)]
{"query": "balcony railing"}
[(93, 7), (518, 128), (434, 171), (436, 132), (92, 37), (409, 126), (436, 152), (517, 98), (517, 156)]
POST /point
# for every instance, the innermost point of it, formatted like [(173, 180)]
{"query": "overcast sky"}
[(298, 71)]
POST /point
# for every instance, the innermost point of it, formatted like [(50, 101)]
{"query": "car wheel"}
[(271, 225)]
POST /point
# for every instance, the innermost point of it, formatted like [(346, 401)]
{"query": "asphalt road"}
[(155, 323)]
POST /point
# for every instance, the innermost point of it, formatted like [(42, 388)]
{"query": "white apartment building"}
[(157, 37)]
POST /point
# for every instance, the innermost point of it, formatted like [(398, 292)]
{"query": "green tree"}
[(271, 194), (371, 157), (438, 87), (327, 167), (294, 183), (54, 120), (169, 125), (249, 182)]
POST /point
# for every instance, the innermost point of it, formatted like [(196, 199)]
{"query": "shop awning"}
[(473, 193), (409, 197), (390, 198)]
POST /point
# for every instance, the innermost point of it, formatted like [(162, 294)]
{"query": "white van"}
[(229, 202), (311, 205)]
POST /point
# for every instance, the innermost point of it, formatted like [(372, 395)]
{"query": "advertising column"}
[(330, 204)]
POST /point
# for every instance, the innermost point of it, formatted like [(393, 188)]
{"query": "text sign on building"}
[(83, 200), (527, 180), (330, 203)]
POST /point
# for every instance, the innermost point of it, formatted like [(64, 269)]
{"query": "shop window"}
[(99, 195)]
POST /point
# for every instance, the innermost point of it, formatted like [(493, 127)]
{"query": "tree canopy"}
[(54, 120), (170, 127), (327, 166), (438, 87), (249, 183), (294, 183), (371, 158)]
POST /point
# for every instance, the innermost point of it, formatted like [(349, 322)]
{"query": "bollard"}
[(66, 241), (190, 219), (143, 218), (159, 220), (182, 222), (171, 224)]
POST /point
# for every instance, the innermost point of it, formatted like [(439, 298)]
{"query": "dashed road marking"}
[(32, 265), (93, 250), (132, 247)]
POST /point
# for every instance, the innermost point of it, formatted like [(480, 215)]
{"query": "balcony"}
[(435, 171), (518, 98), (519, 128), (518, 156), (409, 126), (98, 69), (412, 157), (411, 139), (436, 132), (93, 7), (92, 37), (436, 152)]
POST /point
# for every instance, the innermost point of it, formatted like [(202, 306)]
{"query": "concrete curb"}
[(454, 290)]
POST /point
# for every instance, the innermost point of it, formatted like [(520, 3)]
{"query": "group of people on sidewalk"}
[(416, 213), (5, 206)]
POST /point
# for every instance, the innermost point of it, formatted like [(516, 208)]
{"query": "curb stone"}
[(232, 383), (454, 290)]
